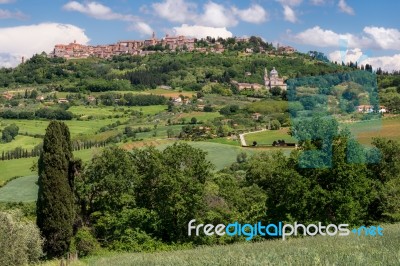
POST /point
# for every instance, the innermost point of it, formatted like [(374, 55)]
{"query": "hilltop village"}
[(152, 45)]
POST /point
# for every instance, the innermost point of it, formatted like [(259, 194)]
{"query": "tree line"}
[(42, 113)]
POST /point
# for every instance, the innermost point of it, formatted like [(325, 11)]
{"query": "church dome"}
[(274, 72)]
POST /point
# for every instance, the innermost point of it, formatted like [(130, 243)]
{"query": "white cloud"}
[(16, 42), (202, 31), (102, 12), (345, 8), (95, 10), (290, 2), (212, 14), (7, 14), (384, 38), (254, 14), (386, 63), (216, 15), (289, 14), (175, 10), (141, 27), (370, 38), (6, 1)]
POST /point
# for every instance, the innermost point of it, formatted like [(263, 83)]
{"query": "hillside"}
[(189, 71)]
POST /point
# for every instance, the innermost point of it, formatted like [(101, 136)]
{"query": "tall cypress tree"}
[(55, 204)]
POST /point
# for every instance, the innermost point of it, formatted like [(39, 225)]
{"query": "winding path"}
[(243, 140)]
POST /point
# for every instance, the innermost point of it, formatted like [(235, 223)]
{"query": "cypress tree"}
[(55, 211)]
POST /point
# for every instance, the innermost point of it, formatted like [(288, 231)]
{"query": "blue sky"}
[(367, 31)]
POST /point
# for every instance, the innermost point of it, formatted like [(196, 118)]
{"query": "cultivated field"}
[(23, 189), (366, 131)]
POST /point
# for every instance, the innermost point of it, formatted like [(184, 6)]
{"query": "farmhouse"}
[(370, 109)]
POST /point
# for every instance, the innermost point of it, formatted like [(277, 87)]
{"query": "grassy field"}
[(25, 142), (110, 110), (221, 155), (269, 136), (365, 131), (21, 167), (227, 141), (23, 189), (319, 250), (76, 127), (200, 116), (13, 168)]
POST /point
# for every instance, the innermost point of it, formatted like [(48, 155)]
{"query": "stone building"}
[(273, 80)]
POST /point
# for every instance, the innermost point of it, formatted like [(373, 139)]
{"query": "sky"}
[(345, 30)]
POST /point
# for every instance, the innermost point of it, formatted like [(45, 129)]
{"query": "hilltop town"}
[(167, 43)]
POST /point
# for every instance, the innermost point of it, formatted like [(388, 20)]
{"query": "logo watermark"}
[(280, 229)]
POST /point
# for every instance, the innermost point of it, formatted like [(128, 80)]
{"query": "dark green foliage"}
[(9, 133), (46, 113), (143, 100), (55, 210), (137, 199)]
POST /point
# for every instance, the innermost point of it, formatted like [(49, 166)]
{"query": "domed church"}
[(273, 80)]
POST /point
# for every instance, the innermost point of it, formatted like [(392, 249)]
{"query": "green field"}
[(76, 127), (21, 167), (13, 168), (221, 155), (200, 116), (319, 250), (23, 189), (25, 142), (109, 110), (269, 136)]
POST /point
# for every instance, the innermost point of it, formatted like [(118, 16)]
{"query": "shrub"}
[(275, 125), (85, 243), (20, 240)]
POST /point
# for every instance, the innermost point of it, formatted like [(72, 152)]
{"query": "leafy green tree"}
[(173, 186), (9, 133), (55, 204), (107, 183), (274, 125)]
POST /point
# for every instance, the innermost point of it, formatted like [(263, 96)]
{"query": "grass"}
[(269, 136), (104, 111), (12, 168), (221, 155), (227, 141), (25, 142), (365, 131), (319, 250), (76, 127), (23, 189), (200, 116), (21, 167)]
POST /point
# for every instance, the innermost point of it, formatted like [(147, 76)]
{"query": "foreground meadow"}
[(350, 250)]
